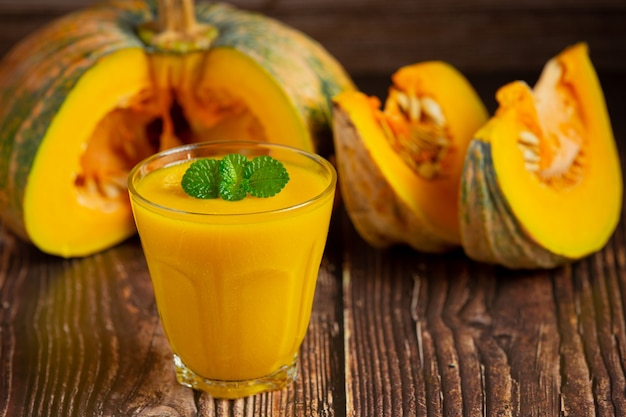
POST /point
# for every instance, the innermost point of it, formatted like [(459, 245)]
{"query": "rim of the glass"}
[(235, 143)]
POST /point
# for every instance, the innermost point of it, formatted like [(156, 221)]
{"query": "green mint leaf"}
[(233, 177), (233, 185), (266, 176), (201, 180)]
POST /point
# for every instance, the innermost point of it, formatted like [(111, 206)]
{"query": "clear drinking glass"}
[(234, 281)]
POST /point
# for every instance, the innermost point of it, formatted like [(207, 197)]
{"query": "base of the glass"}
[(279, 379)]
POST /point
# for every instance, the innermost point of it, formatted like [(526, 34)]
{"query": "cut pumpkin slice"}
[(400, 166), (542, 184)]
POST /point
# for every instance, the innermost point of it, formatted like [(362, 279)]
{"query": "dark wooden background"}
[(378, 36), (393, 332)]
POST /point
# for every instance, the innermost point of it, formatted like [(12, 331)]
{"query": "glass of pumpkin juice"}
[(233, 280)]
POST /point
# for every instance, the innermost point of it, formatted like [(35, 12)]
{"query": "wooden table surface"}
[(393, 333)]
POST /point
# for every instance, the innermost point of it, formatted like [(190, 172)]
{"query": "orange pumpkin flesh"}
[(549, 161), (65, 195)]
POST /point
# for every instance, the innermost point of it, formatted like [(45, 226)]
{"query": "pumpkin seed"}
[(530, 156), (415, 108), (409, 104), (531, 166), (528, 138), (403, 101), (110, 191), (432, 109), (528, 143)]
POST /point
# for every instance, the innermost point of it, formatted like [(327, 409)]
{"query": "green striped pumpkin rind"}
[(489, 230), (35, 78)]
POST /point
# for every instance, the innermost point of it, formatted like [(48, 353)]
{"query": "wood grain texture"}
[(393, 333), (482, 340), (82, 337)]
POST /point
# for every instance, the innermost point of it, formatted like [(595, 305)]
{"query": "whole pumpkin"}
[(94, 92)]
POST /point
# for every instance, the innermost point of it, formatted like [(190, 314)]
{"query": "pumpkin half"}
[(400, 166), (94, 92), (542, 182)]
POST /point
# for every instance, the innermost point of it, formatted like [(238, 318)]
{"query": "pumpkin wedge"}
[(94, 92), (400, 166), (542, 183)]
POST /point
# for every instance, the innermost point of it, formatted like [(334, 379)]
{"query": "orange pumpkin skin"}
[(88, 73), (542, 182)]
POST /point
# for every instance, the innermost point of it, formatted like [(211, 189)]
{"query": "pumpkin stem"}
[(176, 28)]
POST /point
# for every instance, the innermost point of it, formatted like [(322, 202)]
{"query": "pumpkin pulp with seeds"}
[(400, 166), (167, 110), (85, 98)]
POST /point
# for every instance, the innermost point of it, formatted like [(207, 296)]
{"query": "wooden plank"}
[(482, 339), (82, 337)]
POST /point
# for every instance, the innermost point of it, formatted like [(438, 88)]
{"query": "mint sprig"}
[(234, 177)]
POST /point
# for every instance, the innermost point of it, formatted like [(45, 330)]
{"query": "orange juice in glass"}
[(233, 280)]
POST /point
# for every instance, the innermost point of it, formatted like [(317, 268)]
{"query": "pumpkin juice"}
[(234, 280)]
